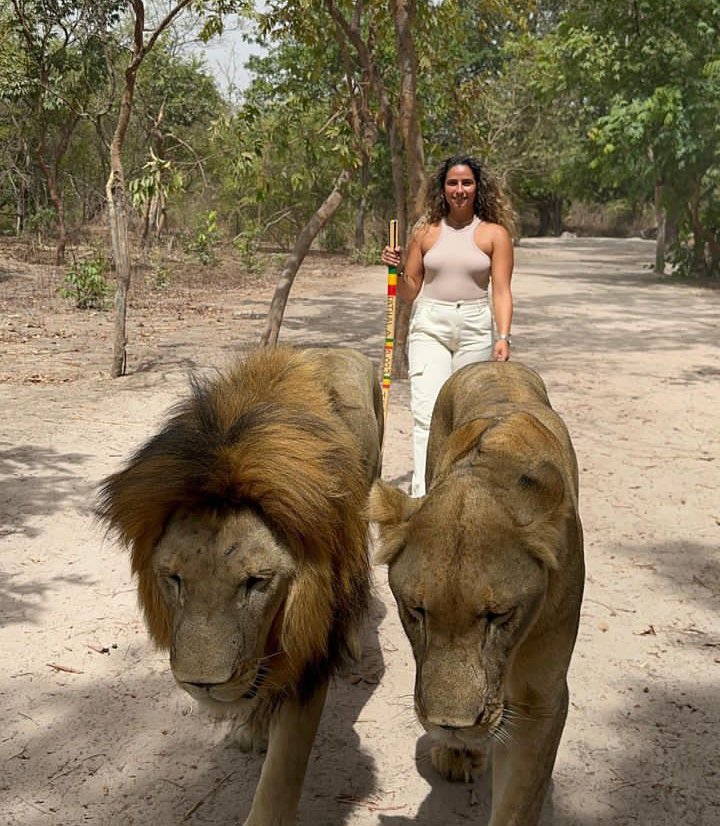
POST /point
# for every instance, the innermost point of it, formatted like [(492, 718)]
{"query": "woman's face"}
[(460, 188)]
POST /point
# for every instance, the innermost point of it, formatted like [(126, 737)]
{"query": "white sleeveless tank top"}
[(456, 269)]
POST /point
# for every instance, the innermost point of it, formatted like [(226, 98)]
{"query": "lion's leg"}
[(458, 765), (522, 767), (292, 732)]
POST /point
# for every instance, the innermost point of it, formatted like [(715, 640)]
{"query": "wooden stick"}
[(389, 319)]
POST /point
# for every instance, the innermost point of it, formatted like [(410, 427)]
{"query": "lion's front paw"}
[(458, 765)]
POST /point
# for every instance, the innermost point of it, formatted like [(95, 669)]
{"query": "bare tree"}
[(302, 245), (116, 190)]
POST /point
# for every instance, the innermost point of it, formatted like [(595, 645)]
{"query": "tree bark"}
[(362, 203), (660, 219), (292, 264), (118, 215), (404, 12)]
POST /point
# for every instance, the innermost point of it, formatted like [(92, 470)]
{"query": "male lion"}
[(245, 517), (487, 571)]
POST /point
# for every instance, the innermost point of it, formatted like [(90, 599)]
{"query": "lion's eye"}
[(172, 584), (256, 583), (498, 619), (417, 612)]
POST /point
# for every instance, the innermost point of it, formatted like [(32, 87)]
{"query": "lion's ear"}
[(390, 508)]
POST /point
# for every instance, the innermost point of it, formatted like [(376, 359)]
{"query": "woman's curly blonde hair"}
[(491, 202)]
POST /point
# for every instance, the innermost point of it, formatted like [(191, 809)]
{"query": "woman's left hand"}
[(501, 351)]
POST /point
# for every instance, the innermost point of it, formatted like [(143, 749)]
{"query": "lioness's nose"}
[(451, 724)]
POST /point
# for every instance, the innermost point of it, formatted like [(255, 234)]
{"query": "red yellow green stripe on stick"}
[(392, 278)]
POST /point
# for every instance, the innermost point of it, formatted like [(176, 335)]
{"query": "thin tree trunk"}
[(118, 215), (362, 203), (115, 188), (699, 265), (407, 63), (304, 240), (404, 12), (660, 219), (50, 169)]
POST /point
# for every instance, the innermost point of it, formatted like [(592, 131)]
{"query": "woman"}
[(462, 244)]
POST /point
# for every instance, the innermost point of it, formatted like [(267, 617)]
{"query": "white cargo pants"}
[(443, 337)]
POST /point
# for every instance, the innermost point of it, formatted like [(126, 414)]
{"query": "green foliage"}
[(246, 243), (160, 274), (41, 220), (206, 237), (85, 284), (368, 255)]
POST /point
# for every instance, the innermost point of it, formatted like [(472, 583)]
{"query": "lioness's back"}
[(495, 390)]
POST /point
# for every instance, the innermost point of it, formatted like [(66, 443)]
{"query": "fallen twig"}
[(612, 610), (370, 805), (212, 791), (65, 668)]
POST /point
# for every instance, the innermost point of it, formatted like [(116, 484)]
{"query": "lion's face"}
[(468, 589), (224, 582)]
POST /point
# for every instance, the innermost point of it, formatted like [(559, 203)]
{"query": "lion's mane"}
[(264, 434)]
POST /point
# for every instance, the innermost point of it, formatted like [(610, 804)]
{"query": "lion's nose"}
[(202, 686)]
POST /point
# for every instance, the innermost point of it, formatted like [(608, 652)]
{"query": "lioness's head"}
[(224, 582), (468, 566)]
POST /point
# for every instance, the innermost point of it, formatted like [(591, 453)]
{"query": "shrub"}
[(205, 239), (85, 284)]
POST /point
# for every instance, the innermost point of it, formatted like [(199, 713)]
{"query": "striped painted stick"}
[(389, 319)]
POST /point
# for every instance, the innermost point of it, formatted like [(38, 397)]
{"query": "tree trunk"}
[(118, 215), (699, 260), (304, 240), (660, 220), (362, 203), (49, 172), (403, 12), (115, 188)]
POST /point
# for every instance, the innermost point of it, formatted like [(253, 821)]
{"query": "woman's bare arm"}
[(501, 273)]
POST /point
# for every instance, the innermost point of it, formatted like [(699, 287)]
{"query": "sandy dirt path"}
[(93, 728)]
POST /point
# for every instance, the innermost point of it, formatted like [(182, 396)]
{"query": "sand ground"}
[(93, 728)]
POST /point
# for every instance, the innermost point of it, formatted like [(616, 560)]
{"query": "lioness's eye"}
[(416, 612)]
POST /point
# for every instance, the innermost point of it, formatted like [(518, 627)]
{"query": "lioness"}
[(487, 571), (245, 517)]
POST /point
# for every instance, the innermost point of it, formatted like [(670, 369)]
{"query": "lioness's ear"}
[(391, 509), (538, 492), (537, 495), (461, 442)]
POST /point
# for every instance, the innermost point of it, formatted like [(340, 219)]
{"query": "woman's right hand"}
[(391, 257)]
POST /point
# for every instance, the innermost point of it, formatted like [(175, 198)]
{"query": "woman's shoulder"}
[(496, 232), (425, 233)]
